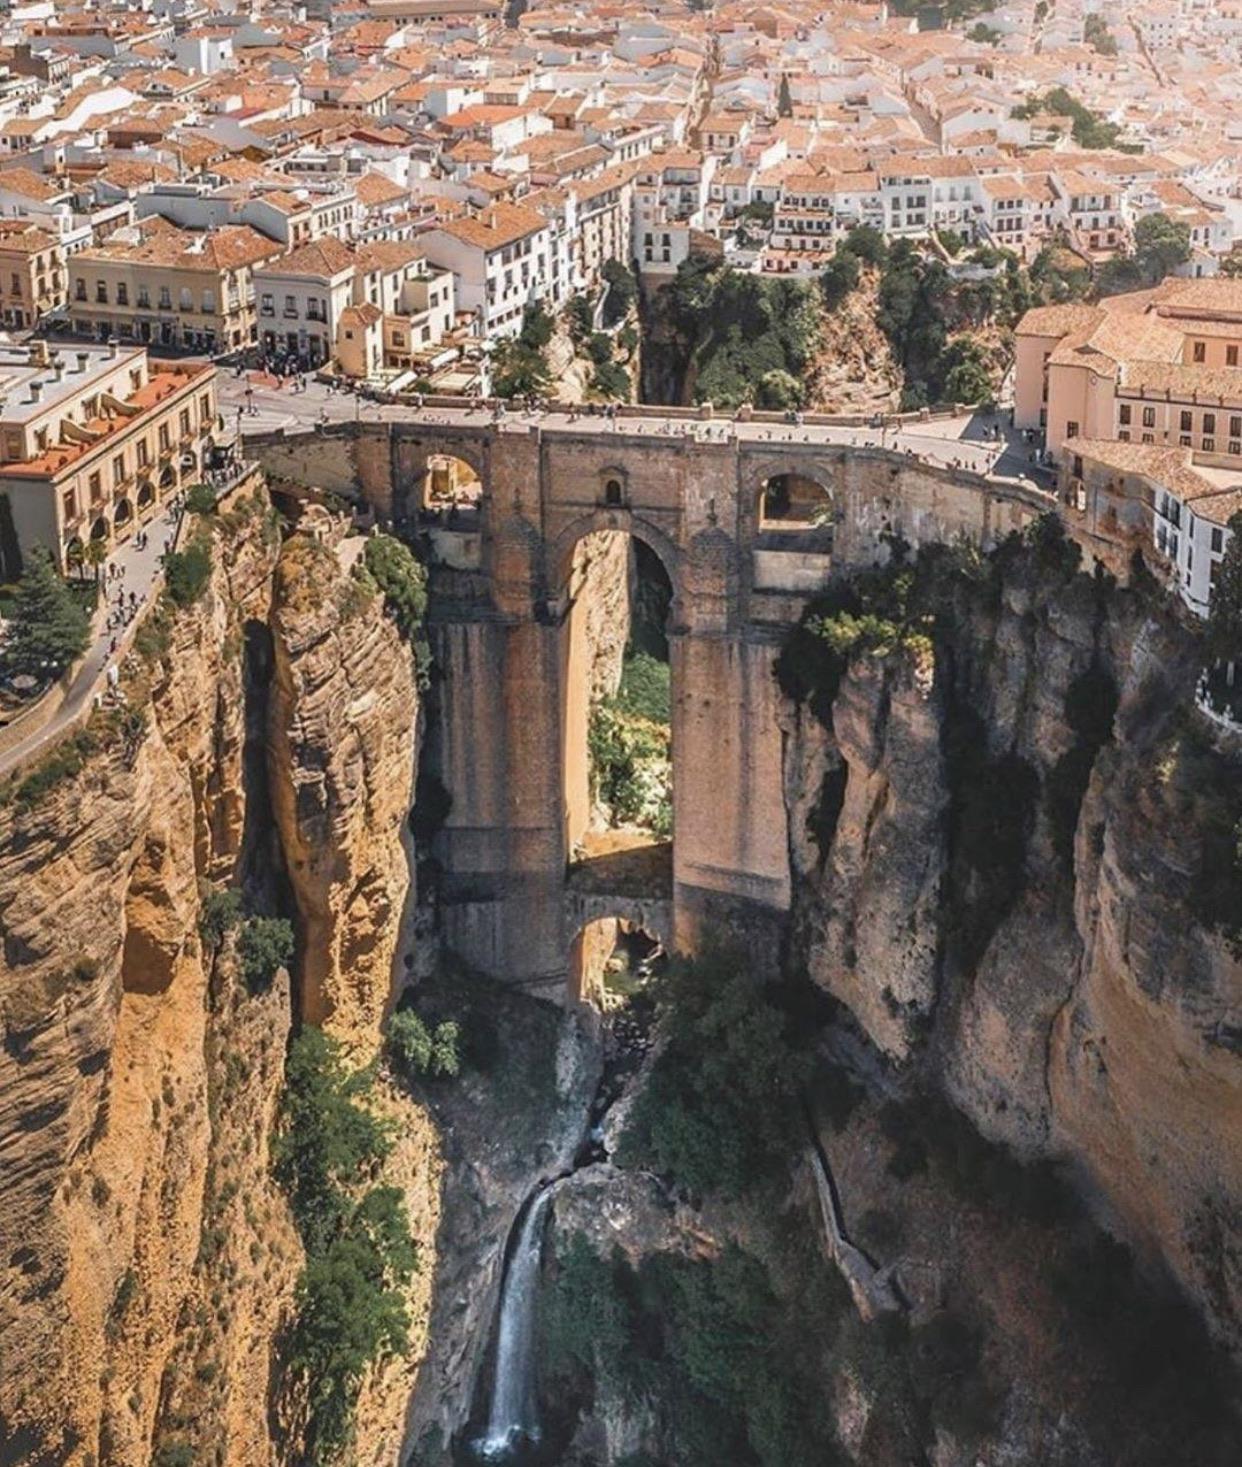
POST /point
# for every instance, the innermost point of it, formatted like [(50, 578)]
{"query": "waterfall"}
[(513, 1418)]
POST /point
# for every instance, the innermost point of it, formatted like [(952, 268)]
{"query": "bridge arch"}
[(560, 557)]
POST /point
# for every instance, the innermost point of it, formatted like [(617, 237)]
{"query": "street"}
[(254, 405)]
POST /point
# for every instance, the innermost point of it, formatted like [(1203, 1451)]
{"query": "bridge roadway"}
[(256, 407)]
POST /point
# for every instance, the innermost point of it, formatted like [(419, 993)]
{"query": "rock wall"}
[(1015, 903), (147, 1258), (104, 1121), (341, 759)]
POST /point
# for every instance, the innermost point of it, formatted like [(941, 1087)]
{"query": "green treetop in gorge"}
[(48, 628)]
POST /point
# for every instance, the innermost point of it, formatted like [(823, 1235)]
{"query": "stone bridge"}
[(504, 720)]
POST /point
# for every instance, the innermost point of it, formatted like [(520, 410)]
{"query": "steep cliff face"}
[(148, 1258), (1011, 888), (105, 1123), (341, 756)]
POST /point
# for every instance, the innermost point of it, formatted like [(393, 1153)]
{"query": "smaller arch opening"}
[(99, 530), (145, 494), (794, 503), (123, 513), (451, 490), (613, 964), (168, 476), (614, 493)]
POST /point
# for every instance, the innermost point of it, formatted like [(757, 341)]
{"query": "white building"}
[(501, 261)]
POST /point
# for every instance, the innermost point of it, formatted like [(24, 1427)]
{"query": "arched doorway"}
[(451, 487), (99, 530), (617, 711), (794, 503), (123, 513), (168, 477), (612, 961), (146, 494)]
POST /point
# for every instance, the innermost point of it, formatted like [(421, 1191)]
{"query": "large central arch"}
[(599, 604)]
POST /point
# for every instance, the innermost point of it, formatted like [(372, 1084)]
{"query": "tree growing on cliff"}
[(351, 1307), (720, 1110), (48, 629), (622, 291), (418, 1050), (392, 567), (263, 948)]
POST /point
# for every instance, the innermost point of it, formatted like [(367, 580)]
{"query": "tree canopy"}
[(48, 627), (1161, 244)]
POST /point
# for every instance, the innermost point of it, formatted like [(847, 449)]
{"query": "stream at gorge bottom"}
[(505, 1425)]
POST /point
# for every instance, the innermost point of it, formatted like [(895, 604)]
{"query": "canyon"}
[(987, 863)]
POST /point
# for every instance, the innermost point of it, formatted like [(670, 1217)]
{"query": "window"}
[(1149, 437), (144, 453), (267, 306), (1071, 429), (1209, 445), (1184, 440), (165, 298), (1124, 413), (15, 283), (1124, 435), (209, 302), (1209, 422), (186, 299), (144, 297), (184, 420), (101, 292), (164, 438), (95, 485), (1077, 466), (79, 290), (1149, 417), (1218, 541), (204, 408), (1199, 351), (118, 470), (1231, 356), (1187, 422)]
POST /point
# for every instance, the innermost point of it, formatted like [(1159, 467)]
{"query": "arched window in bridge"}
[(451, 489), (613, 493), (794, 502)]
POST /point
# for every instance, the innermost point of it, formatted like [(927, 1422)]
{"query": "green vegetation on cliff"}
[(737, 328), (729, 1364), (48, 625), (359, 1254), (719, 1111)]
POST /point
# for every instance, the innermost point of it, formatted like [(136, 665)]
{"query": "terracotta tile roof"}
[(374, 189), (1182, 380), (29, 184), (225, 248), (501, 224), (326, 256), (1058, 320)]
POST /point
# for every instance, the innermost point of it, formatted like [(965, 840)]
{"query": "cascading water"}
[(513, 1416), (513, 1429)]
